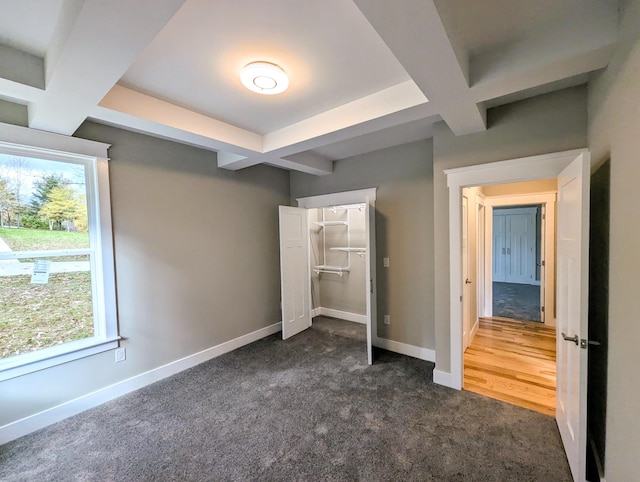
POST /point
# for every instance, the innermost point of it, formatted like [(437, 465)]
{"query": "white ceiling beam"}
[(415, 32), (144, 113), (101, 41), (67, 17), (308, 162), (397, 98), (235, 162), (368, 127), (21, 93)]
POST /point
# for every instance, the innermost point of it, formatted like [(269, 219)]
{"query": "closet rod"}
[(346, 207), (318, 271)]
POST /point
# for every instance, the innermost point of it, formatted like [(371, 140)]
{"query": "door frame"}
[(367, 196), (481, 259), (548, 200), (466, 273), (515, 170)]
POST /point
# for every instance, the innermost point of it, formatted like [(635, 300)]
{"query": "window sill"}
[(30, 362)]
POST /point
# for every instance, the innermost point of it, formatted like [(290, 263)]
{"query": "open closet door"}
[(294, 271), (370, 229), (572, 324)]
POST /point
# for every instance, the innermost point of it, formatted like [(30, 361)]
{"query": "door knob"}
[(573, 338), (467, 281)]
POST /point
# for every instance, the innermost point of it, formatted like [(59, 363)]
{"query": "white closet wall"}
[(338, 239)]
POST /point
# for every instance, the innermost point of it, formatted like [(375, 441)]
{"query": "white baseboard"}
[(474, 330), (405, 349), (315, 312), (444, 379), (29, 424), (343, 315)]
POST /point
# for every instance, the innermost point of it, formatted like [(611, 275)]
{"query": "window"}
[(57, 290)]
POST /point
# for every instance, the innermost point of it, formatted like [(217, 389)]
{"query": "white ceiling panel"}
[(330, 52)]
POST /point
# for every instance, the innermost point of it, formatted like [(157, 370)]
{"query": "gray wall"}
[(197, 263), (548, 123), (614, 132), (404, 232), (11, 113)]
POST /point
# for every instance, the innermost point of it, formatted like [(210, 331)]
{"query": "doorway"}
[(571, 168), (316, 240), (516, 262), (506, 356), (519, 277)]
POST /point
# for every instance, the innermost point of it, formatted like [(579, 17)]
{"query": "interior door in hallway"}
[(514, 240)]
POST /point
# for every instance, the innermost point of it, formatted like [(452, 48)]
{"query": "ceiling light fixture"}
[(264, 78)]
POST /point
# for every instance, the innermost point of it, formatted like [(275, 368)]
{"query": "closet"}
[(337, 260), (327, 261)]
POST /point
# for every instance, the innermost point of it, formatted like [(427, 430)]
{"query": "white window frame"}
[(21, 141)]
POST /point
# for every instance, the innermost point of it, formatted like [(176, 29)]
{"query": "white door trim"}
[(523, 169), (481, 241), (547, 199), (367, 196)]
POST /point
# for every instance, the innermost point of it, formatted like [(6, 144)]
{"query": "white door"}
[(370, 229), (499, 236), (466, 288), (521, 247), (295, 278), (514, 246), (541, 266), (572, 272)]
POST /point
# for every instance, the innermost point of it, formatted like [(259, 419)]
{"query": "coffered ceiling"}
[(364, 74)]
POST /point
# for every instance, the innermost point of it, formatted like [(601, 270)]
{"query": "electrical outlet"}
[(387, 319), (385, 262), (121, 355)]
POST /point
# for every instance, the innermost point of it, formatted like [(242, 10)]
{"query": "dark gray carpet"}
[(517, 301), (308, 408), (338, 327)]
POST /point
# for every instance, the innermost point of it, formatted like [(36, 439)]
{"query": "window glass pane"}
[(44, 303), (45, 197)]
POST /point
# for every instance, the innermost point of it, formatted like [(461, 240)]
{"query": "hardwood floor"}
[(515, 362)]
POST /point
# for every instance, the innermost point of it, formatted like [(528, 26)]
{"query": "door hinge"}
[(584, 343), (542, 309), (371, 284), (460, 298)]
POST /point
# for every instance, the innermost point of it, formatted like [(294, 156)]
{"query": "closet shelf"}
[(330, 223), (358, 251)]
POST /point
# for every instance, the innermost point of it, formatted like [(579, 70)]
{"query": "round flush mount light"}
[(264, 78)]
